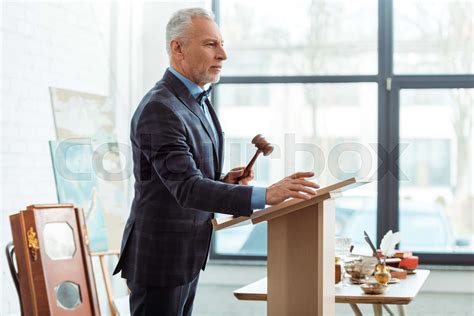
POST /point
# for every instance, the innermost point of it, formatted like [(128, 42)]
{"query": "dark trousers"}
[(163, 301)]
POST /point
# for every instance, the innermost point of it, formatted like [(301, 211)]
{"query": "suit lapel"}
[(218, 127), (183, 94)]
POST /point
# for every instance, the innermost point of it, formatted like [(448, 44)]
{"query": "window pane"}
[(436, 197), (326, 128), (302, 38), (433, 37)]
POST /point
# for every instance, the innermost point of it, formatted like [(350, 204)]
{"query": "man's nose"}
[(221, 54)]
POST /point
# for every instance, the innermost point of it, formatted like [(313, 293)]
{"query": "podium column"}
[(301, 261)]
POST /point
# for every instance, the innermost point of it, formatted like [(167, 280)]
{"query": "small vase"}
[(382, 273)]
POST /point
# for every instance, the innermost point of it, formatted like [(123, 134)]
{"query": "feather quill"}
[(388, 243), (367, 239)]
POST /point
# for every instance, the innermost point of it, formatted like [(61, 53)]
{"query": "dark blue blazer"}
[(177, 169)]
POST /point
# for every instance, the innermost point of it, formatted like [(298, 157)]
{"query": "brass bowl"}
[(373, 288)]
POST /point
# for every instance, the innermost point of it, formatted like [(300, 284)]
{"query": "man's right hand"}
[(294, 186)]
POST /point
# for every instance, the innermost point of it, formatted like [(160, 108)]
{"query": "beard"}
[(206, 77)]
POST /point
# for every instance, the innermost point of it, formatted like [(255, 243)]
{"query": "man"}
[(178, 146)]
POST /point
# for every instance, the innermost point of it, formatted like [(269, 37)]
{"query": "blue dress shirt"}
[(258, 193)]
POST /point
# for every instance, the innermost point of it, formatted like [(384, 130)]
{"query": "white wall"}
[(150, 60), (113, 48), (43, 44)]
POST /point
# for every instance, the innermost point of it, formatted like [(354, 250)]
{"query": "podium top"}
[(290, 205)]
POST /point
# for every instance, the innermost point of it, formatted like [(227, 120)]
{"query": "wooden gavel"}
[(262, 147)]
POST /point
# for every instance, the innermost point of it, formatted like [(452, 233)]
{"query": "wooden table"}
[(399, 294)]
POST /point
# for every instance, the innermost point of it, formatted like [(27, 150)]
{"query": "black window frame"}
[(389, 86)]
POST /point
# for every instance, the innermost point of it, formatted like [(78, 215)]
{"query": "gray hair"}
[(180, 21)]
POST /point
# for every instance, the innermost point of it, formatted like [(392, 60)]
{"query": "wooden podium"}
[(300, 264)]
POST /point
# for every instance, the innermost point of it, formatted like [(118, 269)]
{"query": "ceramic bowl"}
[(361, 269)]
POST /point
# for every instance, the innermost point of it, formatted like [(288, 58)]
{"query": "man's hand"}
[(294, 186), (232, 176)]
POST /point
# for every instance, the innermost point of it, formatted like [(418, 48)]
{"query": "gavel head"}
[(261, 143)]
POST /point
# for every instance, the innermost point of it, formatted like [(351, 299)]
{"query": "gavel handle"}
[(250, 165)]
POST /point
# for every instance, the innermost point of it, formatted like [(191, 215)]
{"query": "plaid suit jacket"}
[(177, 167)]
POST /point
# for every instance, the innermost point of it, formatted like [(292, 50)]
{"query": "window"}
[(433, 37), (422, 169), (303, 37), (436, 198), (386, 76), (311, 126)]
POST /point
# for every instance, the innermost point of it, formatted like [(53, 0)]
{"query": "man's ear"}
[(176, 48)]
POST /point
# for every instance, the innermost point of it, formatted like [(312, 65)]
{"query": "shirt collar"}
[(193, 88)]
